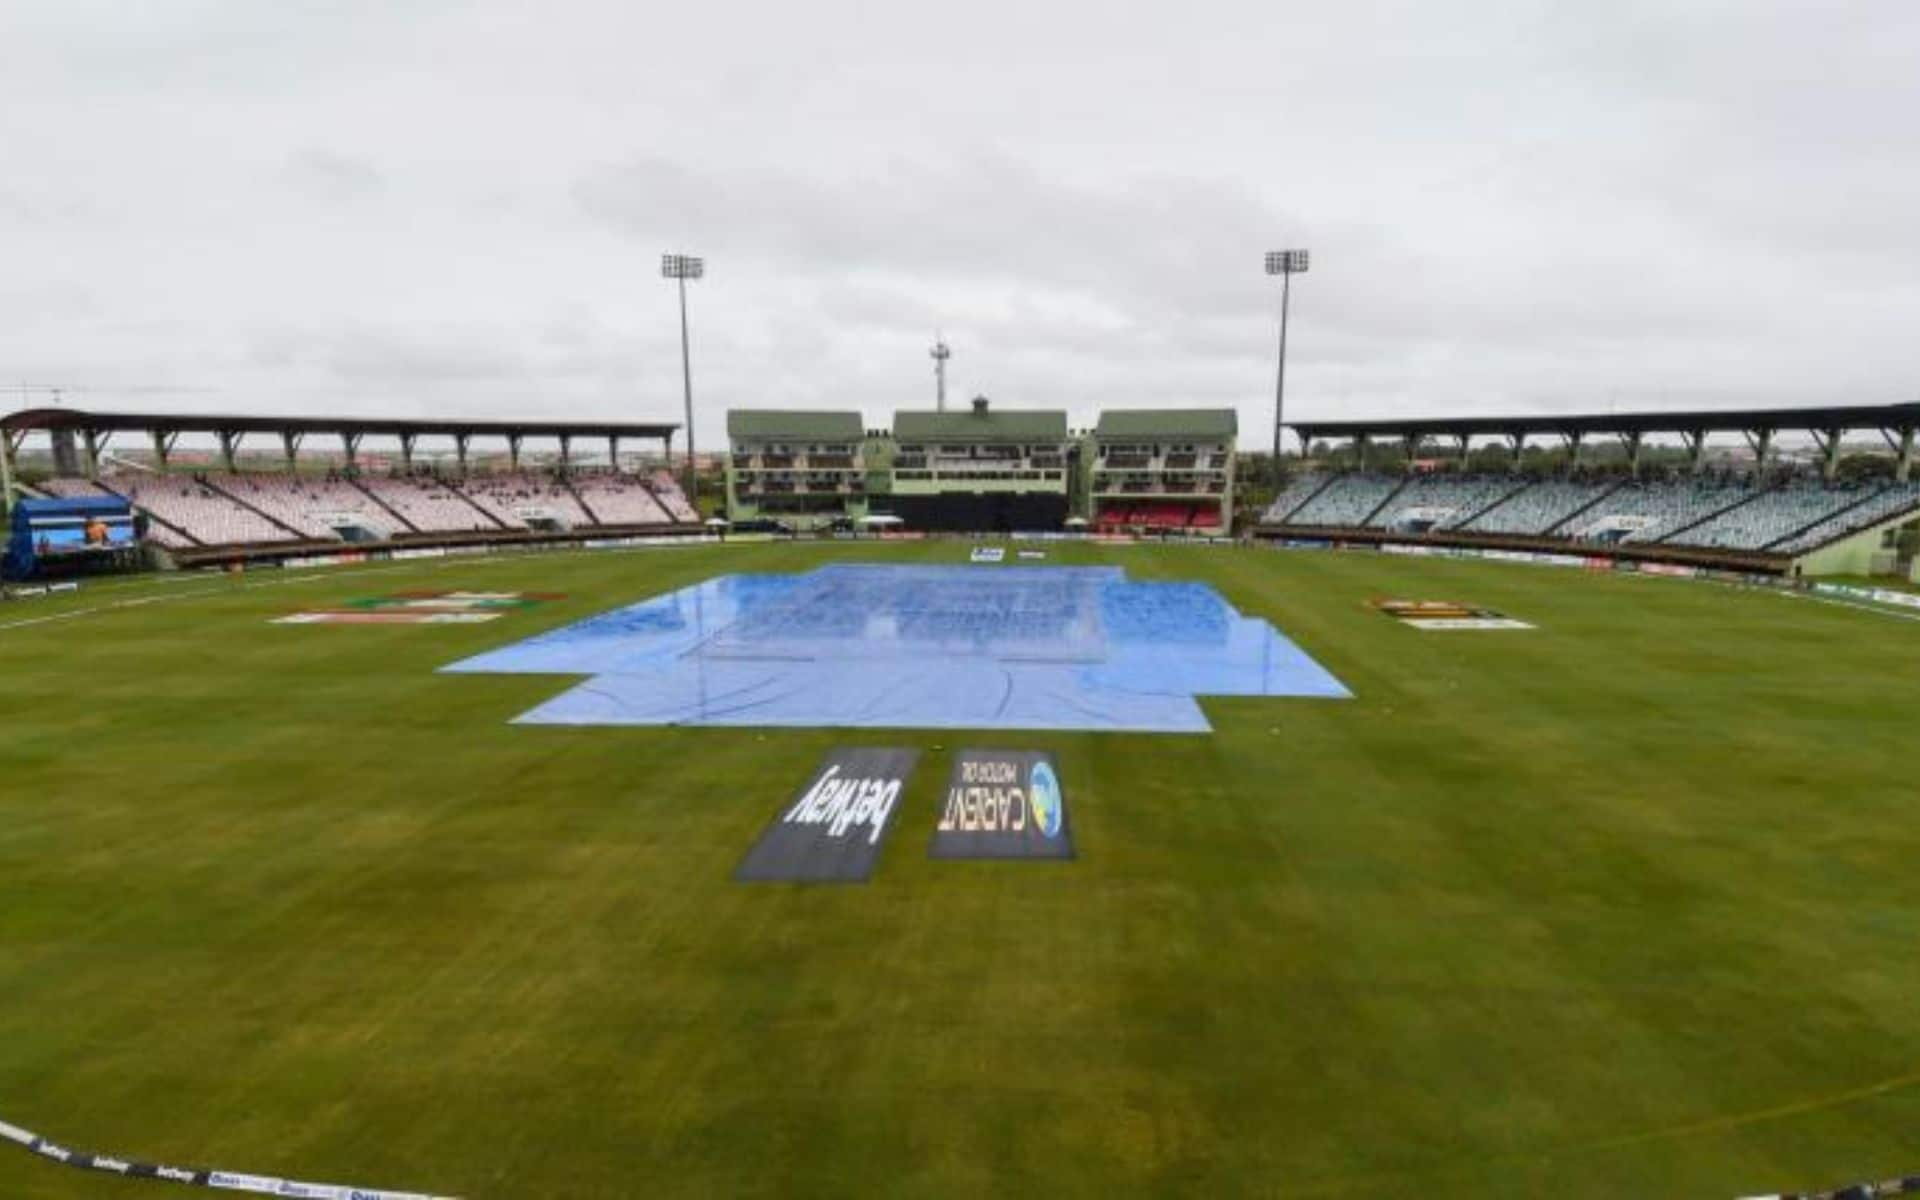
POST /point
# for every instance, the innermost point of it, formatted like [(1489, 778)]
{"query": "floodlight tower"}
[(1286, 264), (680, 268), (940, 355)]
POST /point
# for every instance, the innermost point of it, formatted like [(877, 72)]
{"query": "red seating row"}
[(1158, 516)]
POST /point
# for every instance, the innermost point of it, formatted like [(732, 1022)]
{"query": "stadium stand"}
[(1773, 519), (1348, 499), (73, 489), (1771, 515), (196, 510), (239, 513), (1651, 511), (1301, 486), (671, 498), (619, 500), (219, 509), (1890, 501), (526, 499), (1542, 507), (1753, 507), (1163, 516), (1163, 470), (315, 507), (1444, 501), (428, 504)]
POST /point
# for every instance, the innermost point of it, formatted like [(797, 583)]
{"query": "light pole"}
[(1286, 264), (680, 268)]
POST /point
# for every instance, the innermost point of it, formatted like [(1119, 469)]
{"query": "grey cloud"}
[(456, 207), (333, 176)]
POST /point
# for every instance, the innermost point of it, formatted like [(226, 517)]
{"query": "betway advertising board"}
[(833, 830), (1003, 804)]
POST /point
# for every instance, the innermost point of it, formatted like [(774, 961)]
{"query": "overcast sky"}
[(456, 208)]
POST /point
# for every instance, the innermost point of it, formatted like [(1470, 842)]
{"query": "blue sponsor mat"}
[(943, 647)]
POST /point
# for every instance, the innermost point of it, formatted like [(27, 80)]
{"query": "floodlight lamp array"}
[(682, 266)]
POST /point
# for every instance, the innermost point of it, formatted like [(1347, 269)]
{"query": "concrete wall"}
[(1852, 555)]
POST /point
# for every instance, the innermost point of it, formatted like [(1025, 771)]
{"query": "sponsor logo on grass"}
[(1445, 614), (987, 554), (387, 618), (834, 829), (421, 608), (1003, 804), (1045, 801)]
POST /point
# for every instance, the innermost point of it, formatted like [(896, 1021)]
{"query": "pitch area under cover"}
[(942, 647)]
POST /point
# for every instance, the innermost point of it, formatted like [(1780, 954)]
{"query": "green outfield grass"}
[(1623, 906)]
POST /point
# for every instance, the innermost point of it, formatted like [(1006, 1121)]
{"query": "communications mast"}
[(940, 355)]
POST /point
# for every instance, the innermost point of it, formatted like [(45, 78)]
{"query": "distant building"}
[(804, 467), (1163, 469), (982, 469), (979, 469)]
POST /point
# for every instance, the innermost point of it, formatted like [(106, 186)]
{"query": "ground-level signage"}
[(1003, 804), (833, 830)]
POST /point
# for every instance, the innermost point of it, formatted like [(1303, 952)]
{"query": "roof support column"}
[(1829, 443), (566, 452), (1518, 440), (1466, 449), (406, 450), (1696, 441), (1632, 440), (1573, 439), (163, 446), (350, 442), (613, 452), (1360, 449), (94, 443), (229, 446), (1410, 448), (460, 441), (9, 442), (513, 450), (1903, 455), (1760, 441), (290, 445)]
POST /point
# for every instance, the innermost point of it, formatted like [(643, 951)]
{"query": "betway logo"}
[(102, 1163), (174, 1173), (840, 804)]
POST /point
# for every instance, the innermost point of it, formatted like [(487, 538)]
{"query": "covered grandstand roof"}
[(811, 425), (1168, 423), (1717, 420), (104, 422), (980, 424)]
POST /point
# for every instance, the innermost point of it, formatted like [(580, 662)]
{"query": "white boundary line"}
[(230, 1181)]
